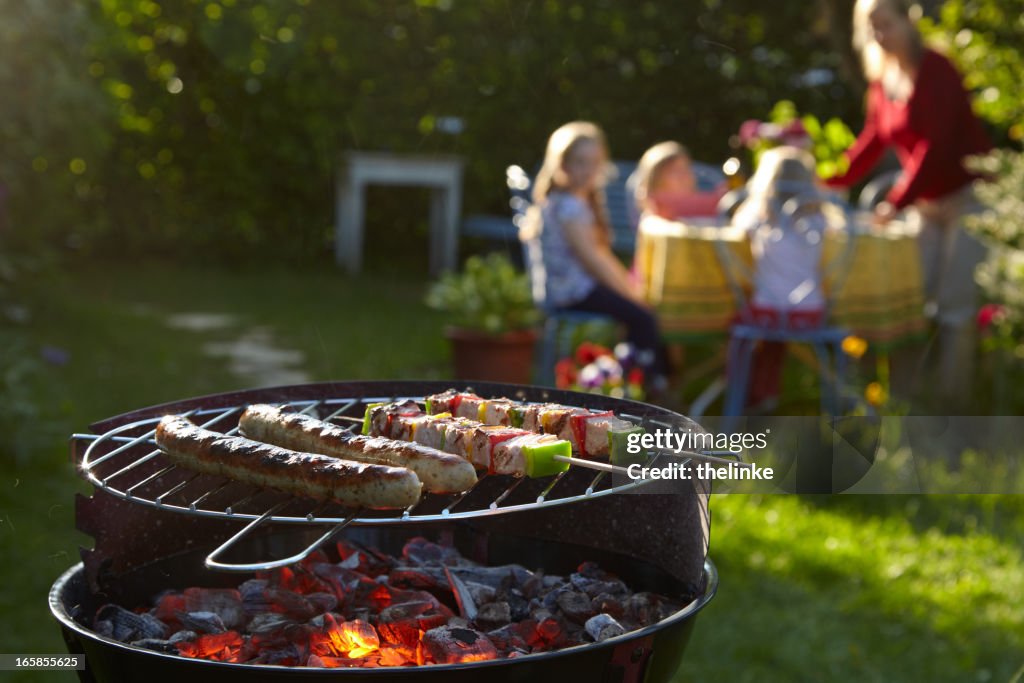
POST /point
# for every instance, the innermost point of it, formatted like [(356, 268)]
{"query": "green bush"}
[(828, 140), (56, 128), (489, 295), (985, 37), (1001, 227), (213, 129)]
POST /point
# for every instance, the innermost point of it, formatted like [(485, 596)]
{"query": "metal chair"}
[(731, 201), (826, 341), (560, 327), (875, 191)]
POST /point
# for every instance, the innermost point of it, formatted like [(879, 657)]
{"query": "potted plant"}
[(492, 319)]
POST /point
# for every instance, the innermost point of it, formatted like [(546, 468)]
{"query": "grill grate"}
[(125, 462)]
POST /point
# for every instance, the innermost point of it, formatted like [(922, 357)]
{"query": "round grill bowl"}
[(651, 654), (655, 541)]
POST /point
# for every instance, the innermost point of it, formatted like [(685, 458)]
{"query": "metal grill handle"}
[(213, 563)]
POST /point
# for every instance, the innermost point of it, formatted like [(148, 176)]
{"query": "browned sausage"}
[(440, 472), (304, 474)]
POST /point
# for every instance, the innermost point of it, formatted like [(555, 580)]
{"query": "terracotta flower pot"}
[(506, 357)]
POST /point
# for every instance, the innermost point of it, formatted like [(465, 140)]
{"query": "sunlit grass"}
[(883, 588), (866, 588)]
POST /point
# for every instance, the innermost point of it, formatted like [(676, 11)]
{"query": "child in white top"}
[(783, 215)]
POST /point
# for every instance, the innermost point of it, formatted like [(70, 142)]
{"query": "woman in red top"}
[(917, 105)]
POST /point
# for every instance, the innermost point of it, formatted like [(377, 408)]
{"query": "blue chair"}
[(826, 341)]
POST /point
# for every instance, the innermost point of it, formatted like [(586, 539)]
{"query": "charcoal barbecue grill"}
[(151, 519)]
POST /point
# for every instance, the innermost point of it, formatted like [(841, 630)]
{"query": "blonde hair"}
[(873, 58), (562, 143), (650, 167), (782, 173)]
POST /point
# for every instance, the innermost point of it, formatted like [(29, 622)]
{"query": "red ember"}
[(372, 610), (351, 639), (220, 647)]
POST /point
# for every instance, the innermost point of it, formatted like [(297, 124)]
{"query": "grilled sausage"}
[(304, 474), (440, 472)]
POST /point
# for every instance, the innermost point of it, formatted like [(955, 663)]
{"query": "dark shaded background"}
[(213, 129)]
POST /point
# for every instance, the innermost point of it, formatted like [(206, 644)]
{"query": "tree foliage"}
[(215, 127), (55, 126), (985, 38)]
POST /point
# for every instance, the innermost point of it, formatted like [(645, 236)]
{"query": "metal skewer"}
[(616, 469), (592, 465)]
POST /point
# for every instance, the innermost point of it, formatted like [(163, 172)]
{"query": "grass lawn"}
[(867, 588)]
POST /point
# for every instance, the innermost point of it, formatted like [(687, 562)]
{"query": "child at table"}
[(787, 242), (568, 240), (666, 187)]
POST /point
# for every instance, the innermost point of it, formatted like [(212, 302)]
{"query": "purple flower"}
[(54, 355), (590, 377), (624, 353), (609, 367)]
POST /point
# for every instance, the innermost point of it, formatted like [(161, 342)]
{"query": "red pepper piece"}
[(578, 423)]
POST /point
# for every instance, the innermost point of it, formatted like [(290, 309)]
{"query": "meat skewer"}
[(592, 434), (304, 474), (440, 472), (496, 449)]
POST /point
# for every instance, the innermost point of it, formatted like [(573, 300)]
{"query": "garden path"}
[(252, 355)]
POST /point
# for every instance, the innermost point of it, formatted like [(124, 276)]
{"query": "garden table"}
[(879, 296), (442, 174)]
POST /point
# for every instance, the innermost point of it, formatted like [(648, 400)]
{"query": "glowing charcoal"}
[(446, 645), (350, 639)]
